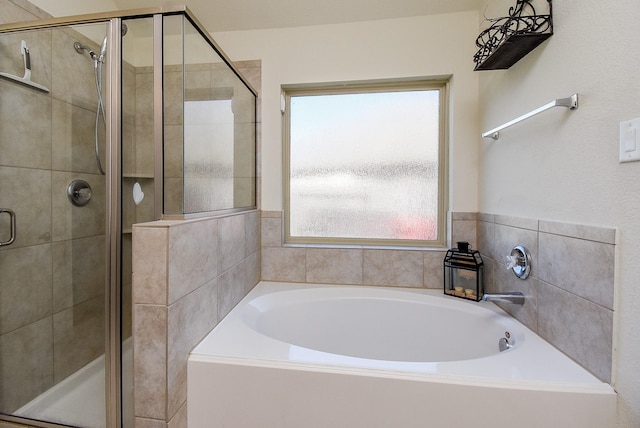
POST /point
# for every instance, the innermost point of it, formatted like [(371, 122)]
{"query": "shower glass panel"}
[(209, 126), (52, 277), (98, 132)]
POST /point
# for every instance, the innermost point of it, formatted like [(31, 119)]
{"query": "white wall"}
[(407, 47), (563, 165)]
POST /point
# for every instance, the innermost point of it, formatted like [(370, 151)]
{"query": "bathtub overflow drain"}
[(503, 344)]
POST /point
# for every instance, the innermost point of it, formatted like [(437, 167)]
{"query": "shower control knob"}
[(79, 193)]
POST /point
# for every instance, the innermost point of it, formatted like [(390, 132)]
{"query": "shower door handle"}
[(12, 216)]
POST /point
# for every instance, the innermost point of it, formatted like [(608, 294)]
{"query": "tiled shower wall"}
[(52, 282), (187, 275), (569, 295)]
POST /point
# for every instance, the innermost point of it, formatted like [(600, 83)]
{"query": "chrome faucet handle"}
[(510, 261), (519, 261)]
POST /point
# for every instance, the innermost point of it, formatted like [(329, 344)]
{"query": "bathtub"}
[(314, 355)]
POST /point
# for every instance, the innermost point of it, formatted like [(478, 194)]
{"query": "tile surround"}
[(28, 366), (433, 270), (333, 266), (195, 270), (25, 142), (358, 265), (571, 283), (394, 268), (252, 232), (188, 321), (579, 328), (150, 259), (231, 238), (189, 241), (231, 286), (150, 359), (77, 336), (284, 264), (463, 228), (72, 133), (24, 302), (571, 288), (562, 262), (35, 213), (181, 290)]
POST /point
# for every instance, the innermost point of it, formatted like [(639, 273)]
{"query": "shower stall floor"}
[(79, 400)]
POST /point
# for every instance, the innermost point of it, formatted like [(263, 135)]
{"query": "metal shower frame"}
[(113, 101)]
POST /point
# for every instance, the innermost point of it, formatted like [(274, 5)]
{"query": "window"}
[(365, 164)]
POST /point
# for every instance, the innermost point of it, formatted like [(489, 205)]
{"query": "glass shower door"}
[(52, 276)]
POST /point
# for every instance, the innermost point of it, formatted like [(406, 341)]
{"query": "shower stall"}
[(106, 120)]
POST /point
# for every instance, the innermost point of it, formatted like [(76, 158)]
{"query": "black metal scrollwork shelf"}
[(510, 38)]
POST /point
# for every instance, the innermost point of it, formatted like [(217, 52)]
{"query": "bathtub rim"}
[(318, 299), (588, 383), (515, 384)]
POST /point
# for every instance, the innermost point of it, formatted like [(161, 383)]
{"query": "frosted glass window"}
[(365, 165)]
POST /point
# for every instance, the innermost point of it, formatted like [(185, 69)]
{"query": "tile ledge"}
[(602, 234)]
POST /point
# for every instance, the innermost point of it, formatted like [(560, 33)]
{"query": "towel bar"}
[(569, 102)]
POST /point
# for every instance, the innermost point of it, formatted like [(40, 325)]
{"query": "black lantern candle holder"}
[(464, 273)]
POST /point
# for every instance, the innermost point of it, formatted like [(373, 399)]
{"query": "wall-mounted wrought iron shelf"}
[(510, 38)]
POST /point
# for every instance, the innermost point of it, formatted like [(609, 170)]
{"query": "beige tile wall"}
[(362, 266), (187, 275), (569, 295)]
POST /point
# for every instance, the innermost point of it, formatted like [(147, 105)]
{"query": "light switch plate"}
[(630, 140)]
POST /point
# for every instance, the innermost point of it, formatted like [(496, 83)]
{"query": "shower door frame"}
[(113, 193), (113, 185)]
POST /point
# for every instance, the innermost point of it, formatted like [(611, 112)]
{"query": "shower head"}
[(80, 48)]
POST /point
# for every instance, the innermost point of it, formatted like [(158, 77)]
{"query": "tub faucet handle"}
[(519, 261), (510, 261)]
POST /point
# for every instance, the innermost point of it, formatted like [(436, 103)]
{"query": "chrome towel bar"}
[(570, 102)]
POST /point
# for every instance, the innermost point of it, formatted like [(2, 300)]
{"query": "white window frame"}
[(440, 84)]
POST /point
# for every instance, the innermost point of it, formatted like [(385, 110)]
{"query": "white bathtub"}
[(304, 356)]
